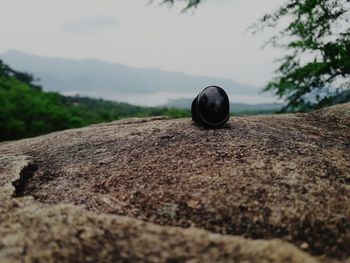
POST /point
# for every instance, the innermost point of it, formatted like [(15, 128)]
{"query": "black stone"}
[(211, 108)]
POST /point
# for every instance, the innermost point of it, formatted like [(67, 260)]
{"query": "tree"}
[(315, 72), (6, 71), (26, 110), (188, 3)]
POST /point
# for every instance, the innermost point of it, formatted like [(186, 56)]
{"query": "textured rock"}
[(65, 195)]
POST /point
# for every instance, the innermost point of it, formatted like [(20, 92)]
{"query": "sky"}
[(211, 40)]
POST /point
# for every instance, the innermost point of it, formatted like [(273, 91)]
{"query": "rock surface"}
[(126, 190)]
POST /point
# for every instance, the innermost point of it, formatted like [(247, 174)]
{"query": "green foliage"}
[(26, 111), (316, 72), (99, 110), (188, 3), (6, 71)]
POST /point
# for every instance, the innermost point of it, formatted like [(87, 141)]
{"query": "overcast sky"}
[(211, 40)]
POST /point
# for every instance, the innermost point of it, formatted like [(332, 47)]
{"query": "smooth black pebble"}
[(211, 108)]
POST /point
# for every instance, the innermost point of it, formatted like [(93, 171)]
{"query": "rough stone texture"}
[(34, 232), (281, 177)]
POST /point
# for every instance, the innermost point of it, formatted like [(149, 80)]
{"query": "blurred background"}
[(67, 64)]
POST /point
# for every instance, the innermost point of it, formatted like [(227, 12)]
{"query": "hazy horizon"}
[(211, 40), (118, 82)]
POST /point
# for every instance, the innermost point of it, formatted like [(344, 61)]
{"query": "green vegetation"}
[(189, 3), (315, 72), (26, 110)]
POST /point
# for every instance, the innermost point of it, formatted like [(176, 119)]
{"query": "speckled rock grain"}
[(160, 190)]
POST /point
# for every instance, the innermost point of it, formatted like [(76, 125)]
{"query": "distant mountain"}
[(100, 79), (240, 108), (103, 79)]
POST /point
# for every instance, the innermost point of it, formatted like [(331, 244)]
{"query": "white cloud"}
[(89, 25), (211, 40)]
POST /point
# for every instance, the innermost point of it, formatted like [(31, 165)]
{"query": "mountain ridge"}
[(98, 78)]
